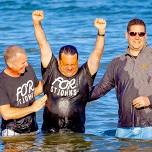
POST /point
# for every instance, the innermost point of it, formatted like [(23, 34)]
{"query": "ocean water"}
[(71, 22)]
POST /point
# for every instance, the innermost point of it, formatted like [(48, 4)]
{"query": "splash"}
[(64, 107)]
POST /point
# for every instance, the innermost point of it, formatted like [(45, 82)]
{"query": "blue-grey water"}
[(71, 22)]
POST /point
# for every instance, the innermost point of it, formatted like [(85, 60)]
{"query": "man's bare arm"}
[(45, 49), (94, 59), (39, 89), (9, 112)]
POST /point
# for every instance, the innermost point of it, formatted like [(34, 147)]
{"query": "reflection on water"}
[(73, 142), (51, 142), (18, 144), (66, 142)]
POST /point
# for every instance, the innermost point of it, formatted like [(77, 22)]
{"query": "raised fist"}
[(100, 24), (38, 15)]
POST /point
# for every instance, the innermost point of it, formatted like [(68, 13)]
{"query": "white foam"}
[(64, 107)]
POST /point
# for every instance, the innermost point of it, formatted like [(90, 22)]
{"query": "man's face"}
[(68, 64), (20, 64), (136, 37)]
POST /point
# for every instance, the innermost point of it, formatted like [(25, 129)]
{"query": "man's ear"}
[(126, 35), (58, 61), (9, 64)]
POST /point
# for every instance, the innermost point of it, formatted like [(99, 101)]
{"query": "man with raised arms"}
[(66, 84)]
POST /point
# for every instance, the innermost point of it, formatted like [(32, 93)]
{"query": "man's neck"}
[(134, 52), (11, 73)]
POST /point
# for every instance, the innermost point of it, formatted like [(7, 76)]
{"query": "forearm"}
[(94, 59), (15, 113), (100, 40), (9, 112), (39, 33), (99, 46), (45, 49), (103, 87), (39, 89), (97, 92)]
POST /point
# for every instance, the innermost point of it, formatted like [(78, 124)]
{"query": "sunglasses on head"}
[(140, 34)]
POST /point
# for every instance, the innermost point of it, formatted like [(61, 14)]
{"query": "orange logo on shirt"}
[(144, 66)]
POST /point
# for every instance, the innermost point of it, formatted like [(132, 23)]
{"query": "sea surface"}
[(71, 22)]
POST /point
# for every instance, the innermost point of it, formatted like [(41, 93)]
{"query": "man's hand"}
[(37, 15), (39, 103), (141, 102), (9, 112), (100, 24)]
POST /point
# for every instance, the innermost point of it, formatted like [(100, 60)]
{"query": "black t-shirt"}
[(67, 98), (19, 92)]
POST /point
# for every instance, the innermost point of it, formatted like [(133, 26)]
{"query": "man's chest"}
[(20, 92), (61, 86)]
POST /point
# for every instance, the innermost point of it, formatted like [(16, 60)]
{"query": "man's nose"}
[(137, 36), (69, 67)]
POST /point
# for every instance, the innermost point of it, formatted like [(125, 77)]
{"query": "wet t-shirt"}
[(67, 98), (19, 92)]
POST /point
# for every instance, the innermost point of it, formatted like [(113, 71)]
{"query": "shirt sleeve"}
[(105, 84), (48, 70), (3, 95), (90, 78), (36, 81)]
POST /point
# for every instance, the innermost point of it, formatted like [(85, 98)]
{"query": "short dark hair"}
[(68, 49), (135, 21)]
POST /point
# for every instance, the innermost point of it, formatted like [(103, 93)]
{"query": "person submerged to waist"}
[(136, 118)]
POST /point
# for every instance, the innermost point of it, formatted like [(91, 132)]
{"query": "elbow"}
[(6, 117), (6, 112)]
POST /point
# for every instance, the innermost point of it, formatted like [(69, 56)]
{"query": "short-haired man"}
[(67, 85), (18, 88), (131, 76)]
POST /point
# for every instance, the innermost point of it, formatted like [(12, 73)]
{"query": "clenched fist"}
[(37, 15), (100, 24)]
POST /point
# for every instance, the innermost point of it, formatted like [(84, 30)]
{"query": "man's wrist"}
[(101, 34), (150, 99), (36, 23)]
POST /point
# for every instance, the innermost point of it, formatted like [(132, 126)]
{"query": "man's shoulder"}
[(52, 63), (29, 70), (82, 67), (2, 75), (149, 49), (2, 78)]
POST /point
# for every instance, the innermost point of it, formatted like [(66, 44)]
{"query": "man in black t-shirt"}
[(66, 84), (18, 88)]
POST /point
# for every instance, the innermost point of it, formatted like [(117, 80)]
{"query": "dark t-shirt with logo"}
[(67, 98), (19, 92)]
